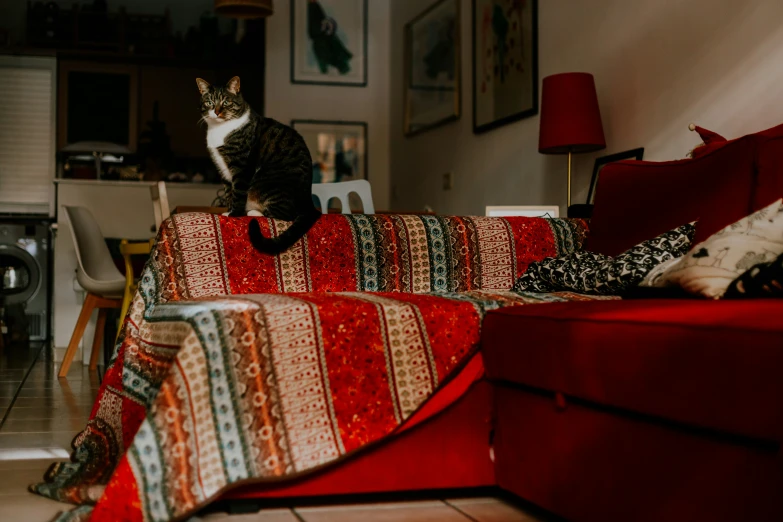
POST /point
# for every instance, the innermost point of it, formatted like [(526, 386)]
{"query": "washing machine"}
[(25, 258)]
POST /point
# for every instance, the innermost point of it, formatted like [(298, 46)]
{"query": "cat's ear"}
[(233, 85), (203, 85)]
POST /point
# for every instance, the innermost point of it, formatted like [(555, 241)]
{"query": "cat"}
[(266, 162)]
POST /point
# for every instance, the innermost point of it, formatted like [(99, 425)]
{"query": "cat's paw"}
[(226, 214), (254, 213)]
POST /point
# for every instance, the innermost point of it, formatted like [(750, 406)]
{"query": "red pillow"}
[(712, 141)]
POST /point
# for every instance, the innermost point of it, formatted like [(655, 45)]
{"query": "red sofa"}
[(618, 410), (649, 409)]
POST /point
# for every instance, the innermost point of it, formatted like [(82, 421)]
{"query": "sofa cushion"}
[(590, 273), (637, 200), (761, 280), (710, 267), (714, 364), (769, 167)]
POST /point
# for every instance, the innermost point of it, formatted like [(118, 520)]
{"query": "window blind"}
[(27, 126)]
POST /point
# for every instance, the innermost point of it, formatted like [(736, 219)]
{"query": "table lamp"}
[(570, 118)]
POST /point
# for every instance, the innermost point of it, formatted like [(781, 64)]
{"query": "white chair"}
[(361, 187), (98, 275)]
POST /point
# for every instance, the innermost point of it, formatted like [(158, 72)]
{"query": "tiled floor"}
[(41, 415)]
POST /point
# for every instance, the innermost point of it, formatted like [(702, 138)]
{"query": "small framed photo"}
[(338, 149), (432, 67), (329, 42), (633, 154), (505, 62), (551, 211)]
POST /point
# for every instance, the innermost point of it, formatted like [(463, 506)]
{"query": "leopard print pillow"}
[(762, 280), (592, 273)]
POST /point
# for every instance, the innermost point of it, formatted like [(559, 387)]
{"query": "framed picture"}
[(505, 62), (338, 149), (329, 42), (633, 154), (432, 67), (524, 211)]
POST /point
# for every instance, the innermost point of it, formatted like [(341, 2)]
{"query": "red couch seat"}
[(711, 364)]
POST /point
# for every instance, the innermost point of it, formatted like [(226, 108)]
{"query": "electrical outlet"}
[(448, 181)]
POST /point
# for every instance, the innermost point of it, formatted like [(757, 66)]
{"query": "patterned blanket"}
[(207, 390)]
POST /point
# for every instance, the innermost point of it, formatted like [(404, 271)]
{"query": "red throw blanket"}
[(205, 393)]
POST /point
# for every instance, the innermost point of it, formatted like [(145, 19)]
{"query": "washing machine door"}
[(20, 275)]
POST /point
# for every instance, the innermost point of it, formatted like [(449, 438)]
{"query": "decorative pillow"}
[(713, 264), (763, 280), (711, 141), (592, 273)]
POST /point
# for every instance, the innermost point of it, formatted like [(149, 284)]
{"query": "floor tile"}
[(266, 515), (27, 506), (15, 481), (38, 464), (55, 439), (47, 412), (426, 511), (491, 510), (74, 424), (9, 388), (52, 402)]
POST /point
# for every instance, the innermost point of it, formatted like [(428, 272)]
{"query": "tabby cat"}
[(267, 164)]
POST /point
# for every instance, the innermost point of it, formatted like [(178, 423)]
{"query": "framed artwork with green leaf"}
[(329, 42)]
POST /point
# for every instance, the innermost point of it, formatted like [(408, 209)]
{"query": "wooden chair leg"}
[(97, 341), (84, 317)]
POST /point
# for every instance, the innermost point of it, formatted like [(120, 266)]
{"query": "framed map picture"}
[(432, 67), (329, 42), (505, 62)]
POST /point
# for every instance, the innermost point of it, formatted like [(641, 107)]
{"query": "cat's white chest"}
[(217, 133)]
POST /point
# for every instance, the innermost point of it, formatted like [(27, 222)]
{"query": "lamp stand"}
[(569, 179)]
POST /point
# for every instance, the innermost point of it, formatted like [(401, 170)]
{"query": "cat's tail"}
[(275, 245)]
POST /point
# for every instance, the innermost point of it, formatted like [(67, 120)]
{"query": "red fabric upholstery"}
[(449, 451), (592, 466), (726, 180), (715, 364), (637, 200), (769, 167), (712, 141)]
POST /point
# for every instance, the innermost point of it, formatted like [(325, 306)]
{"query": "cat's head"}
[(219, 104)]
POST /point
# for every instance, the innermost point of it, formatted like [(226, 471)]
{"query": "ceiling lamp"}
[(244, 8)]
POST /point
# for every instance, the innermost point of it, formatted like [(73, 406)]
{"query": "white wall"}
[(285, 101), (658, 65)]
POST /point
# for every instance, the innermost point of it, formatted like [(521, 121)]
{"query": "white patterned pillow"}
[(591, 273), (710, 267)]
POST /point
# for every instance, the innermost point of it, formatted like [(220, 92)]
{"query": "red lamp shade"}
[(570, 118)]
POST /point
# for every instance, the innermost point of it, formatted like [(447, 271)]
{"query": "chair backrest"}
[(160, 203), (92, 253), (361, 187)]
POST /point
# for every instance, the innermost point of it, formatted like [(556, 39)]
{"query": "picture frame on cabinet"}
[(601, 162), (544, 211)]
